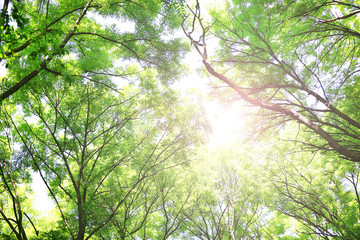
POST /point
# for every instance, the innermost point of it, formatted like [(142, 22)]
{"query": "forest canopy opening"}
[(267, 148)]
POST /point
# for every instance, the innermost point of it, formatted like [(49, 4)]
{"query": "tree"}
[(293, 72), (229, 203), (303, 79), (48, 38), (12, 200), (179, 198), (318, 193), (17, 214), (97, 147), (97, 151)]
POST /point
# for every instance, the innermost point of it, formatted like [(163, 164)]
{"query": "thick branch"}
[(342, 17), (349, 154), (34, 73)]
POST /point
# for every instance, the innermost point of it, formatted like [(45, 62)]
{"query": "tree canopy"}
[(88, 105), (295, 60)]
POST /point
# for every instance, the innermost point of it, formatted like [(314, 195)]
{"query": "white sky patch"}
[(41, 202), (3, 70), (119, 25), (193, 80)]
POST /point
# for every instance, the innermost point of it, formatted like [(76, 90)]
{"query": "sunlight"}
[(227, 122)]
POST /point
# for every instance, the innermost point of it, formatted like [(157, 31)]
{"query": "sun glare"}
[(227, 122)]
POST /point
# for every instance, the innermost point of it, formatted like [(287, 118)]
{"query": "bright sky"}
[(41, 200), (3, 70)]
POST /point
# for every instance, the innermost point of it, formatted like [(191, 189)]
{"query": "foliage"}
[(296, 62), (294, 72), (87, 105)]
